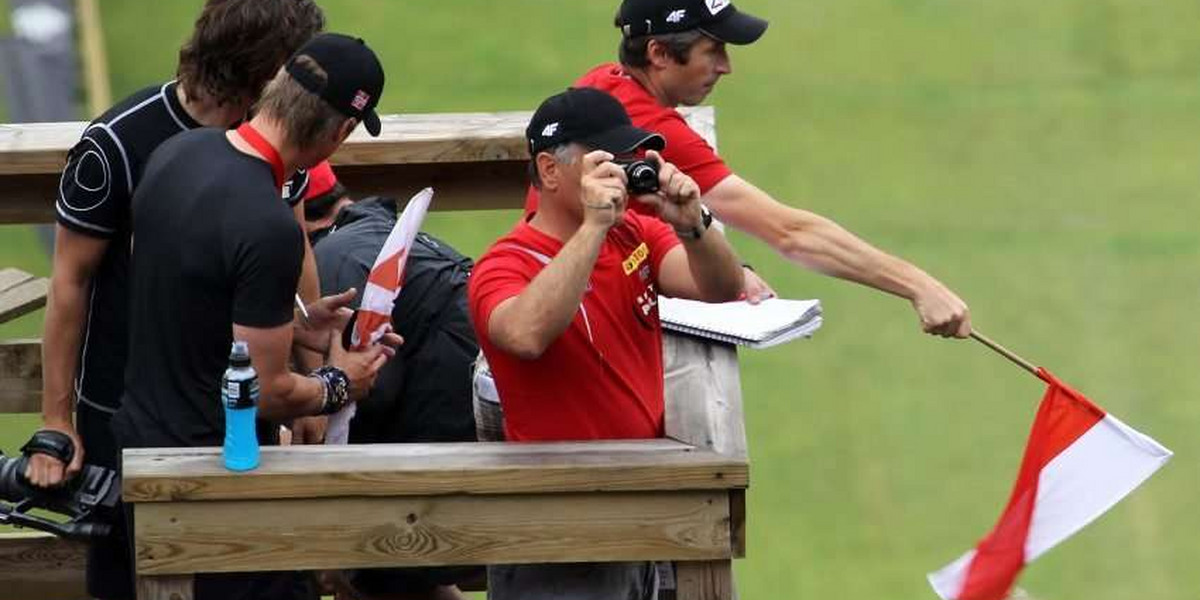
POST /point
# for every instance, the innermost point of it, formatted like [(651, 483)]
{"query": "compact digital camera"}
[(641, 176)]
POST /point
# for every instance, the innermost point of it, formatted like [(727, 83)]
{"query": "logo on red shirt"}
[(637, 257)]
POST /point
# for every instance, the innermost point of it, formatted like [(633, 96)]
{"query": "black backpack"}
[(424, 393)]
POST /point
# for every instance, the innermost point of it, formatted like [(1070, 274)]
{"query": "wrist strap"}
[(51, 443)]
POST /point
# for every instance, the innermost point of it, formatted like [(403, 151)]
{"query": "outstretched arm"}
[(820, 244)]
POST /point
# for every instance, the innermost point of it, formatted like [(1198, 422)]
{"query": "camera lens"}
[(642, 177), (13, 486)]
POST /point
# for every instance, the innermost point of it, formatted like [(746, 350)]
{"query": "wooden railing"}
[(680, 499)]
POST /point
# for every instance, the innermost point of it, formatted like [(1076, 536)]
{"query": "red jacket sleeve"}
[(688, 151)]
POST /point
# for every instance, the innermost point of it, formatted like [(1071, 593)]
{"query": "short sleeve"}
[(690, 152), (295, 188), (266, 265), (498, 276), (659, 237), (93, 192)]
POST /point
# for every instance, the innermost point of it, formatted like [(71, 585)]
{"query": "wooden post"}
[(704, 580), (165, 587), (20, 376), (704, 409), (93, 57)]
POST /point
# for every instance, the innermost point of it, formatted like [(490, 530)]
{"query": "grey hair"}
[(564, 154)]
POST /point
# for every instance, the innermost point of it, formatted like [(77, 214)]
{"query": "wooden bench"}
[(474, 161)]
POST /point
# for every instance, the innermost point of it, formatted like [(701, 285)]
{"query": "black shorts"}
[(109, 564)]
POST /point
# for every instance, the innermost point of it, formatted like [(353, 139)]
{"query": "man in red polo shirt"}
[(673, 53), (565, 306)]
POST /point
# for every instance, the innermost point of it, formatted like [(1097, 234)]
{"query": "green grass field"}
[(1040, 158)]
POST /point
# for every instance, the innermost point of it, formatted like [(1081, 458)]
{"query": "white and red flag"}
[(1078, 463), (379, 296)]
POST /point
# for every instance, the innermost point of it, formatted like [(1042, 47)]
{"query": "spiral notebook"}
[(769, 323)]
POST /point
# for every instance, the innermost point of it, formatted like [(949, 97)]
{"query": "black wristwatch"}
[(697, 232)]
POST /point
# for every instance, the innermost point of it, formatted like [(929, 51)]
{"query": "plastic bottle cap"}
[(239, 354)]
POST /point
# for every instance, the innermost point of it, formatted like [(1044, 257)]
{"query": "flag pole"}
[(1005, 352)]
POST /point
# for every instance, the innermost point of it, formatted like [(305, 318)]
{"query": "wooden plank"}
[(27, 199), (190, 537), (23, 299), (10, 278), (704, 580), (457, 186), (174, 587), (473, 160), (39, 565), (41, 148), (36, 148), (167, 475), (21, 376), (704, 395)]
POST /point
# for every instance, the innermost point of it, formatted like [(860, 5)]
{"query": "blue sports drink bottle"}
[(239, 394)]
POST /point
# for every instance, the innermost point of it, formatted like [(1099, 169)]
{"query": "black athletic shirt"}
[(103, 170), (213, 246)]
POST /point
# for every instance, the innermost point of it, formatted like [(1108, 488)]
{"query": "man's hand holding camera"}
[(602, 190), (607, 185), (677, 200)]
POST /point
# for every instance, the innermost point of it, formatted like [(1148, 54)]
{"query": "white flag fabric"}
[(1079, 462), (379, 296)]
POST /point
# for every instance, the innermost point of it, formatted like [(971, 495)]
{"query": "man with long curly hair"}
[(235, 48)]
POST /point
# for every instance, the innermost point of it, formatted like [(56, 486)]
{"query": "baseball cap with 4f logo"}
[(718, 19)]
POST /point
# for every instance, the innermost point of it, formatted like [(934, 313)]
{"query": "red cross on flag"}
[(379, 295)]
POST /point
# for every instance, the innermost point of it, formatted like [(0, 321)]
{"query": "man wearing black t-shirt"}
[(217, 257), (85, 337)]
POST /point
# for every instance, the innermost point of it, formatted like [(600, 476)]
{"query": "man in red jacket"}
[(672, 53)]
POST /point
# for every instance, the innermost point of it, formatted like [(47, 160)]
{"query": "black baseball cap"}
[(590, 117), (355, 77), (718, 19)]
